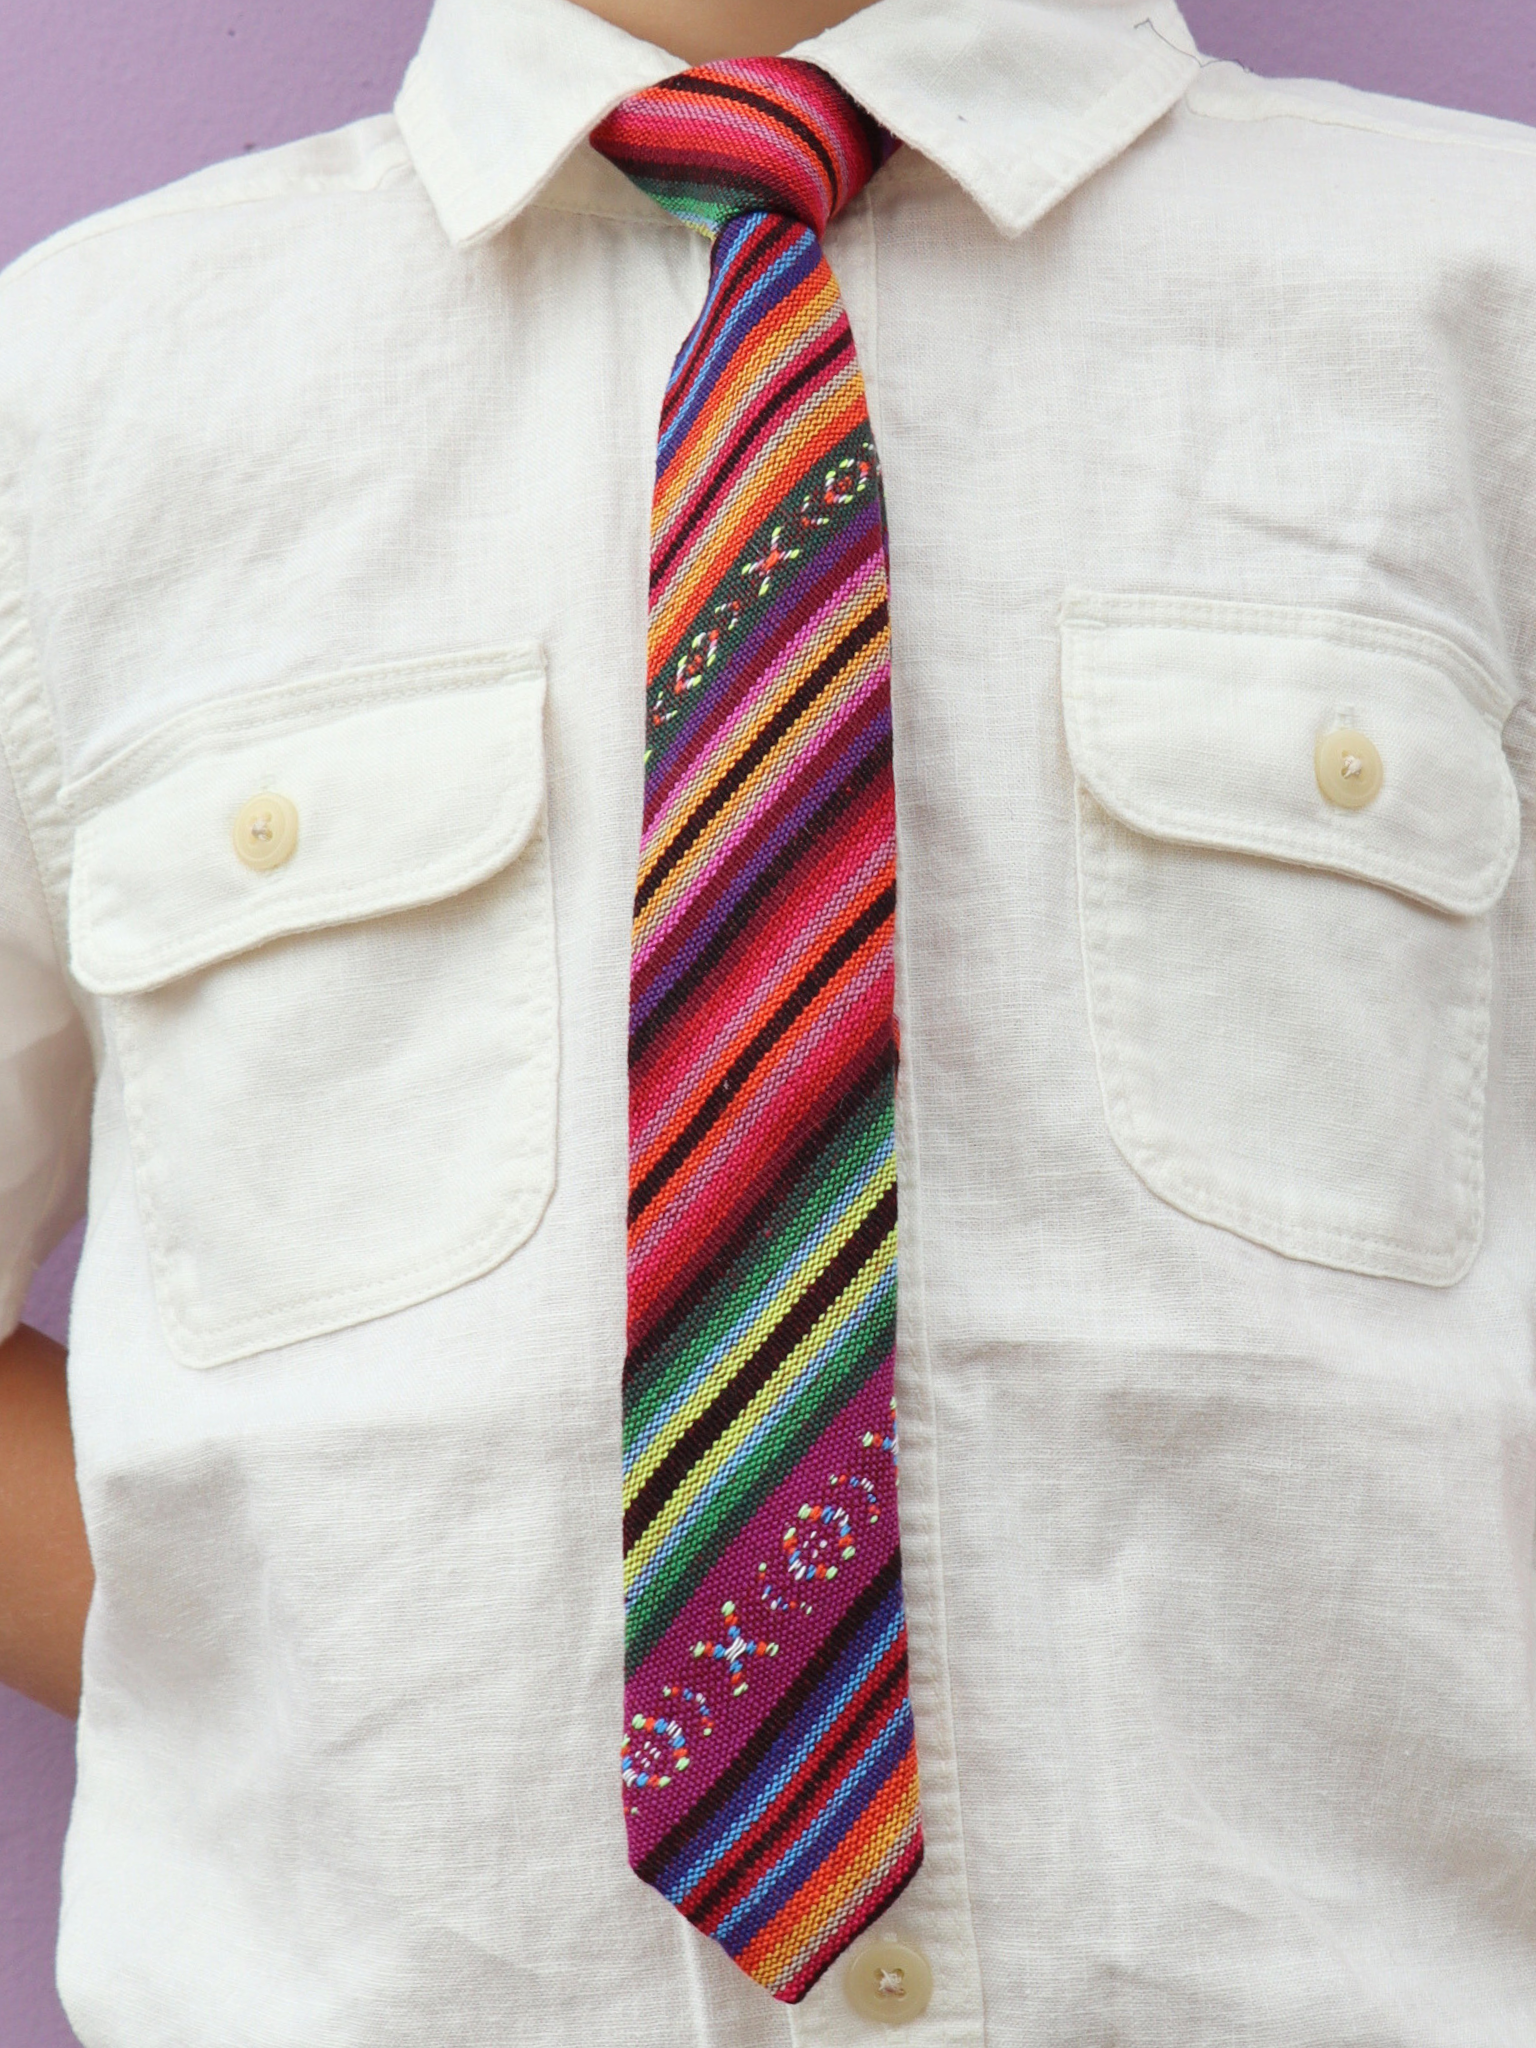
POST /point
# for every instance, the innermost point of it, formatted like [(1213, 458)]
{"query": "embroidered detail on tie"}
[(758, 1387)]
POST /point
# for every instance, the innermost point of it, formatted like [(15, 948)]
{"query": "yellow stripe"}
[(776, 1392), (796, 743), (739, 390), (855, 603), (810, 1269)]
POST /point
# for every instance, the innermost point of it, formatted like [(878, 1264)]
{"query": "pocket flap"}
[(410, 781), (1198, 722)]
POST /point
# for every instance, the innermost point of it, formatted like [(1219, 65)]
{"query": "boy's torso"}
[(1215, 1350)]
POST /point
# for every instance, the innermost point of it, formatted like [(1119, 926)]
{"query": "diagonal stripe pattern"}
[(769, 1765)]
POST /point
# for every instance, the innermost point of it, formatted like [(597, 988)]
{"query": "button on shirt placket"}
[(932, 1920)]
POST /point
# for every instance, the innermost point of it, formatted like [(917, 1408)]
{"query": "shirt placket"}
[(933, 1915)]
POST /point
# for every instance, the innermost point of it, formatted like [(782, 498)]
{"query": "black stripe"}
[(821, 1663), (794, 1005), (831, 665), (854, 783), (719, 89), (699, 342), (755, 1374), (807, 1785), (646, 1353), (840, 344)]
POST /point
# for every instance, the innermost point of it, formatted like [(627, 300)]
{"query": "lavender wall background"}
[(99, 101)]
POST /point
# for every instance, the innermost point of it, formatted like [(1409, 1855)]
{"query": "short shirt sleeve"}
[(45, 1072)]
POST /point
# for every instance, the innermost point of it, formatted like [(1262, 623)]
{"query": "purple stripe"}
[(866, 705), (757, 647), (730, 272), (734, 1576), (723, 890)]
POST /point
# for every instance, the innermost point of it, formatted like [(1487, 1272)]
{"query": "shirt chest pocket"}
[(1292, 828), (321, 922)]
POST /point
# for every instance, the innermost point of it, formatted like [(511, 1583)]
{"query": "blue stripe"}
[(774, 283), (881, 1302), (781, 1880), (788, 1754)]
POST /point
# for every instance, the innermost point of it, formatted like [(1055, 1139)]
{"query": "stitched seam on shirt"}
[(872, 383), (282, 913), (914, 1273), (667, 223), (1083, 613), (1121, 1055), (135, 213), (1181, 1178), (254, 924), (31, 760), (1045, 171), (31, 745), (923, 1529), (1119, 1059), (532, 1163), (249, 719), (1306, 847), (418, 101), (1272, 106), (1093, 608)]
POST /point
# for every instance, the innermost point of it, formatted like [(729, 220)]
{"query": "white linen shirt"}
[(1207, 408)]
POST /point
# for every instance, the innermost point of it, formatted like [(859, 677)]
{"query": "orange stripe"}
[(797, 1929), (781, 332), (804, 438), (850, 608), (774, 995)]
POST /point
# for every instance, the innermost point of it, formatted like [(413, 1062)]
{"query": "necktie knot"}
[(746, 135)]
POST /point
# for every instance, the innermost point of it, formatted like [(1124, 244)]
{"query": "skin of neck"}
[(699, 31)]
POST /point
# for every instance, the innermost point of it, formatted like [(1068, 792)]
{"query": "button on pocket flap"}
[(315, 804), (1312, 737)]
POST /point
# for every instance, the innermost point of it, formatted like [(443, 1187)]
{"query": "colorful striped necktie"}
[(769, 1765)]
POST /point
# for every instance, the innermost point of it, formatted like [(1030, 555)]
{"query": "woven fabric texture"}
[(769, 1763)]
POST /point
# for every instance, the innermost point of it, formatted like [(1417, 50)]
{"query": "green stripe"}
[(723, 1514), (705, 206), (846, 1161)]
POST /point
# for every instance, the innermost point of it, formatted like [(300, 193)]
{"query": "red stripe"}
[(773, 952), (744, 1854), (788, 1101)]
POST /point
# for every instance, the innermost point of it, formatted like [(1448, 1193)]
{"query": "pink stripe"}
[(776, 679), (765, 969), (866, 697), (784, 1102), (734, 1576), (788, 427)]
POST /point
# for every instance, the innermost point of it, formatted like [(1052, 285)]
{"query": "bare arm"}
[(45, 1566)]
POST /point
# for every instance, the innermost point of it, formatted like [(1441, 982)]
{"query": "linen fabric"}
[(1203, 406), (760, 1520)]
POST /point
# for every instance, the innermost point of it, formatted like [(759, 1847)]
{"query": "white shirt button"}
[(1348, 769), (266, 830), (888, 1981)]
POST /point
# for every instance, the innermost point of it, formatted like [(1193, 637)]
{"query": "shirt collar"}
[(1018, 100)]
